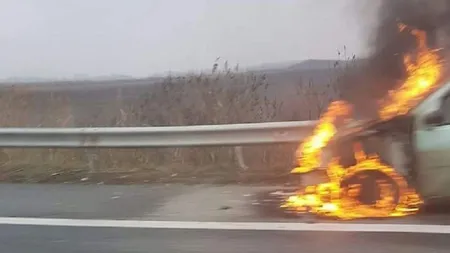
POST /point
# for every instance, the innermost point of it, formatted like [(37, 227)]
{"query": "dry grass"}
[(224, 96)]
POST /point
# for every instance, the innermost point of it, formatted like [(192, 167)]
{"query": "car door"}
[(433, 152)]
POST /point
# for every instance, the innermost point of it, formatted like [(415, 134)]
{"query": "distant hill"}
[(272, 65), (316, 64), (75, 78), (287, 66)]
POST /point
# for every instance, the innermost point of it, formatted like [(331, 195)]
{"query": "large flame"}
[(340, 196), (423, 72)]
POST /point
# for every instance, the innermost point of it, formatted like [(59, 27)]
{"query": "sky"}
[(66, 38)]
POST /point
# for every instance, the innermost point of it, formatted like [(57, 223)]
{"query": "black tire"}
[(369, 182)]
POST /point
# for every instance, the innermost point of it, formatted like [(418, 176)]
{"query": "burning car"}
[(384, 167)]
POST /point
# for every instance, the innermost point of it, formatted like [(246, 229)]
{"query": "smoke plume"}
[(384, 68)]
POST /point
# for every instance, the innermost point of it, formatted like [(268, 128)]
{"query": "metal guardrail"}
[(173, 136)]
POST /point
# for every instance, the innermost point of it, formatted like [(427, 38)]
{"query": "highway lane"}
[(222, 205), (114, 240), (228, 203)]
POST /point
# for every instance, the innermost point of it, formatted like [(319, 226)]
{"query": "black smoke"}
[(389, 45), (384, 68)]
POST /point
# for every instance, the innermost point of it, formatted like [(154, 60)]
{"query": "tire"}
[(370, 184)]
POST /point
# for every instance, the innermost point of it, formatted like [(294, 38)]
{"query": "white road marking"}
[(261, 226)]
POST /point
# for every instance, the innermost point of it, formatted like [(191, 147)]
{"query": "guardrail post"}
[(91, 161), (240, 157)]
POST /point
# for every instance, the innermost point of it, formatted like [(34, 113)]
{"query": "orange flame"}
[(423, 74), (308, 154)]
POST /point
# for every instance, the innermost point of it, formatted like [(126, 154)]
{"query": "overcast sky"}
[(63, 38)]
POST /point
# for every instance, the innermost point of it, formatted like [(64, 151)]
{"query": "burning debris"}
[(342, 195)]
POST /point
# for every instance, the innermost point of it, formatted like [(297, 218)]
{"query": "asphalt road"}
[(61, 239), (179, 203)]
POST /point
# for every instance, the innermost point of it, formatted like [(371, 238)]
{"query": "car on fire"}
[(416, 145)]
